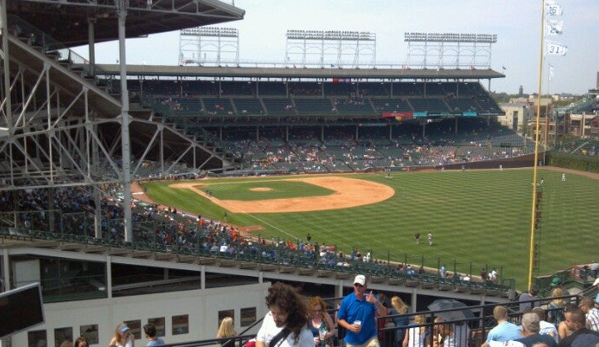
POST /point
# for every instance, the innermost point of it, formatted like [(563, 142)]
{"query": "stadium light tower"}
[(209, 45), (334, 48), (453, 50)]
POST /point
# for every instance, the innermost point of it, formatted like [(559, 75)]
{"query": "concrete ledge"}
[(189, 259), (247, 265), (324, 273), (141, 254), (412, 283), (118, 251), (396, 281), (287, 269), (267, 267), (207, 261), (377, 279), (228, 263), (165, 256), (342, 275), (307, 272)]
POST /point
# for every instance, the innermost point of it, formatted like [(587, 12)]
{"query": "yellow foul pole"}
[(537, 137)]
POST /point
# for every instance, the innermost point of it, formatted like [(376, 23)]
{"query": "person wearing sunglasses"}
[(357, 315)]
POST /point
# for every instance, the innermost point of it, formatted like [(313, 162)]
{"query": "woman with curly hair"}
[(286, 323)]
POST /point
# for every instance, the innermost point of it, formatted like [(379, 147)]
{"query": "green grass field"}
[(478, 218)]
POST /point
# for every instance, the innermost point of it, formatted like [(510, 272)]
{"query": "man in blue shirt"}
[(504, 331), (150, 331), (357, 315)]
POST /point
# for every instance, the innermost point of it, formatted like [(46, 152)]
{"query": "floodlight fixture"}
[(330, 35), (210, 31), (449, 37)]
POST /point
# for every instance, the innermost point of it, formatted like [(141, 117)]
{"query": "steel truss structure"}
[(334, 48), (62, 126), (449, 50), (215, 46)]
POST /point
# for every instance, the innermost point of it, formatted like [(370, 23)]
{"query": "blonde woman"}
[(321, 320), (226, 329), (416, 335), (398, 307), (122, 337), (556, 307)]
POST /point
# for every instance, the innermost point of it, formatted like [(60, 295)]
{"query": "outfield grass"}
[(478, 218)]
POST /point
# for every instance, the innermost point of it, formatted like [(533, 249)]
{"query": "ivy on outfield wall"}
[(573, 161)]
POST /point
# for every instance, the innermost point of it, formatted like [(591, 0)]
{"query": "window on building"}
[(180, 324), (159, 324), (248, 316)]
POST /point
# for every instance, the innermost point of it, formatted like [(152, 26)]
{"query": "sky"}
[(517, 23)]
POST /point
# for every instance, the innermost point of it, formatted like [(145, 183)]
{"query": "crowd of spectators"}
[(340, 151), (168, 230)]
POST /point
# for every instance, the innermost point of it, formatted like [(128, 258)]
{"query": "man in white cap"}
[(357, 315)]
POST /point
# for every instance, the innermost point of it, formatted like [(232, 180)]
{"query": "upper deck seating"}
[(218, 106), (271, 89), (249, 106), (457, 105), (391, 105), (434, 105), (237, 88), (434, 89), (305, 89), (200, 88), (314, 106), (410, 89), (354, 106), (340, 89), (279, 106)]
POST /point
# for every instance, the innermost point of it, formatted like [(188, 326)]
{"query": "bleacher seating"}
[(198, 88), (305, 88), (218, 106), (407, 89), (192, 107), (434, 89), (360, 106), (265, 89), (279, 106), (391, 105), (315, 106), (430, 105), (250, 106), (340, 89), (459, 105), (231, 88)]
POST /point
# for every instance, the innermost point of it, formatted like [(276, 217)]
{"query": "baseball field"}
[(477, 218)]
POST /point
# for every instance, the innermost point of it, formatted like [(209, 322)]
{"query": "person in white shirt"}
[(592, 314), (286, 324), (546, 328)]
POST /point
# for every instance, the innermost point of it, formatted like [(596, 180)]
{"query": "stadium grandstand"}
[(75, 136)]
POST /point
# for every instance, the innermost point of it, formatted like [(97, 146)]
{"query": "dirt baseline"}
[(349, 192)]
